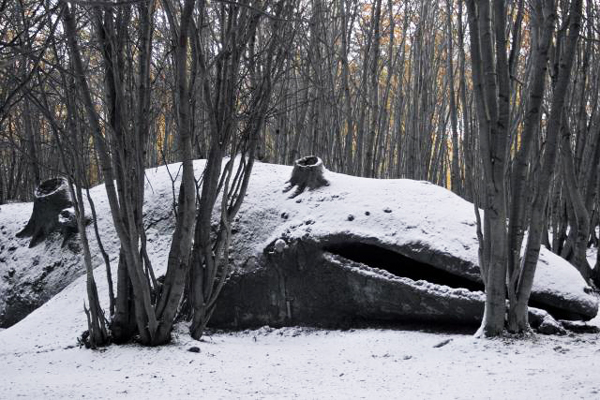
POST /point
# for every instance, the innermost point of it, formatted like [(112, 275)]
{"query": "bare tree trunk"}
[(145, 317), (31, 144), (580, 226), (517, 223), (348, 113), (518, 311), (493, 115), (465, 107), (456, 181), (179, 254), (374, 90), (210, 257), (98, 334)]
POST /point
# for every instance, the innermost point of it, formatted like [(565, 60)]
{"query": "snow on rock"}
[(31, 276), (416, 219), (559, 284)]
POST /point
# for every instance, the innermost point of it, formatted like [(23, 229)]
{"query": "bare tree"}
[(499, 253), (210, 258)]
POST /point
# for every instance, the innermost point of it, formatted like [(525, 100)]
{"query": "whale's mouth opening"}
[(378, 257), (374, 256)]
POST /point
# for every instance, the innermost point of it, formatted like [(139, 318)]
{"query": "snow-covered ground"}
[(313, 364), (40, 357)]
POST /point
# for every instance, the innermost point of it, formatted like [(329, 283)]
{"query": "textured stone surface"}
[(305, 284)]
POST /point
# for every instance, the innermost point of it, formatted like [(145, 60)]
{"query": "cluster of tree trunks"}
[(198, 260), (493, 65)]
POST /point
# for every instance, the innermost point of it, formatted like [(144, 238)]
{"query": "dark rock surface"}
[(309, 284)]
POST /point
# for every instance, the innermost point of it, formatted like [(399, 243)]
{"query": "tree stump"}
[(51, 212), (307, 173)]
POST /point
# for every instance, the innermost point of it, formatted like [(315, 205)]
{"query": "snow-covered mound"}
[(31, 276), (416, 219)]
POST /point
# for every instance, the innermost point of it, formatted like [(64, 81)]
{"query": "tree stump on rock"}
[(51, 212), (307, 173)]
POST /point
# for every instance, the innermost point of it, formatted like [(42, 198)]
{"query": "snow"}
[(592, 256), (555, 273), (302, 363), (40, 357)]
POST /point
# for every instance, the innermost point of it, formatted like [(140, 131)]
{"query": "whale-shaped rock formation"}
[(357, 250)]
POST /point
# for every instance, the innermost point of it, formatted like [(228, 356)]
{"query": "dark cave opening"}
[(399, 265)]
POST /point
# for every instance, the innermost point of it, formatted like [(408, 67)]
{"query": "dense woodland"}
[(495, 100)]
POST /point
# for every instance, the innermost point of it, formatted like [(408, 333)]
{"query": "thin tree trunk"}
[(456, 181), (580, 226), (521, 163)]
